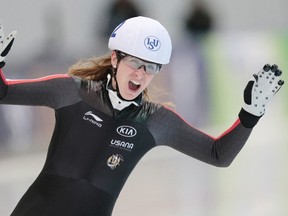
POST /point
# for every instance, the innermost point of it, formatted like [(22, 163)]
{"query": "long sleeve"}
[(169, 129), (53, 91)]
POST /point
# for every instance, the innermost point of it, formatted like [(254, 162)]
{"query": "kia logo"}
[(152, 43), (126, 131)]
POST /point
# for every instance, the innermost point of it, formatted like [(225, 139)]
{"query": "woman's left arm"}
[(169, 129)]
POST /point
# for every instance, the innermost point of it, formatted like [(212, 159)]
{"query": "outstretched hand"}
[(258, 92), (5, 44)]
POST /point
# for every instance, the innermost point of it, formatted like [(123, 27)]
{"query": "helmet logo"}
[(113, 34), (152, 43)]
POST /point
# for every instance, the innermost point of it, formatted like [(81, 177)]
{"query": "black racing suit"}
[(94, 147)]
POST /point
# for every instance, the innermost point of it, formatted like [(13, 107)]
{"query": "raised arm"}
[(168, 128), (53, 91)]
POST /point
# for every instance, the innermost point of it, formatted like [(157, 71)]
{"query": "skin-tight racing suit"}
[(95, 147)]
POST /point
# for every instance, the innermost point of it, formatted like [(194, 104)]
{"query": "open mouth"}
[(134, 85)]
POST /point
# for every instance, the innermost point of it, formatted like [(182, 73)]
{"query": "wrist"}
[(247, 119)]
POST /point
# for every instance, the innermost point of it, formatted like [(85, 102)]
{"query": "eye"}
[(134, 63), (151, 68)]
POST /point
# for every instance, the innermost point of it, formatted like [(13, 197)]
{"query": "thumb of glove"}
[(248, 90)]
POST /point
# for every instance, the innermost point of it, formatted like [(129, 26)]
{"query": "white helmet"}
[(144, 38)]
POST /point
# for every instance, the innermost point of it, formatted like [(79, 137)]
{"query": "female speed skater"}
[(105, 122)]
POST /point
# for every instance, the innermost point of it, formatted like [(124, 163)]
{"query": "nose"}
[(141, 71)]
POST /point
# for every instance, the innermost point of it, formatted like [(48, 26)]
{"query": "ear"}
[(114, 59)]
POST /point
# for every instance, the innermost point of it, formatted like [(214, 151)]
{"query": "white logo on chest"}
[(126, 131), (92, 118)]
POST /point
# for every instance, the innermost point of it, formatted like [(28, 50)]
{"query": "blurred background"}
[(218, 45)]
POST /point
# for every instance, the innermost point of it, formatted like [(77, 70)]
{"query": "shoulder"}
[(163, 113), (150, 107), (88, 85)]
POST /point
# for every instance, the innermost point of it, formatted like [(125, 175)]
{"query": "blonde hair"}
[(96, 68)]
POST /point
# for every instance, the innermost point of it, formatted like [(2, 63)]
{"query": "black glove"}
[(258, 92), (5, 44)]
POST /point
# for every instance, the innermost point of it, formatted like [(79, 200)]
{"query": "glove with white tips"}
[(5, 44), (258, 92)]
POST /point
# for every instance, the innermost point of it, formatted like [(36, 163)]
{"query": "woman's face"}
[(131, 82)]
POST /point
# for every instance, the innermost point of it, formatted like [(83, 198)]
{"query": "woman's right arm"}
[(54, 91)]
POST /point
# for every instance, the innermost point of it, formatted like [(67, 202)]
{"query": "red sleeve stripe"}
[(13, 82), (236, 123), (3, 77)]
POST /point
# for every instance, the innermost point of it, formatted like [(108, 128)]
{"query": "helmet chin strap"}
[(118, 102), (114, 72)]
